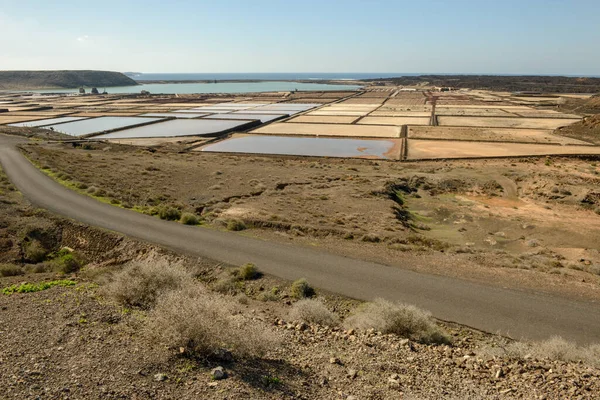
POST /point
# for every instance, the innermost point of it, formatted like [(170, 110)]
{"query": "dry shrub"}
[(10, 270), (313, 311), (202, 323), (555, 348), (230, 286), (139, 284), (401, 319)]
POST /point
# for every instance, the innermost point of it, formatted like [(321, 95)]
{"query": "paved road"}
[(515, 313)]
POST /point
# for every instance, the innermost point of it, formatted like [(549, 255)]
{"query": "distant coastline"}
[(35, 80)]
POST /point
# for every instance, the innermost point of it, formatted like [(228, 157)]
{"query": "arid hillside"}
[(22, 80)]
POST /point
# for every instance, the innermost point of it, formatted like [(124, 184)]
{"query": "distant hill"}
[(542, 84), (23, 80)]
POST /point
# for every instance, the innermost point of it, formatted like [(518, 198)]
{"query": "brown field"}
[(341, 113), (499, 122), (483, 112), (323, 119), (490, 134), (436, 149), (394, 121), (545, 114), (14, 119)]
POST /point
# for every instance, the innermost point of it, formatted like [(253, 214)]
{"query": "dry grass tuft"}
[(139, 284), (10, 270), (404, 320), (203, 323), (313, 311), (555, 348)]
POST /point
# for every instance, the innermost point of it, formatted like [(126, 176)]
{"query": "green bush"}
[(247, 272), (67, 262), (169, 213), (301, 289), (10, 270), (235, 225), (189, 219), (32, 287)]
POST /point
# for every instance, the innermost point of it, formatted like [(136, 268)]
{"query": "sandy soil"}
[(484, 112), (497, 122), (394, 121), (490, 134), (334, 113), (13, 119), (323, 119), (430, 149), (545, 114)]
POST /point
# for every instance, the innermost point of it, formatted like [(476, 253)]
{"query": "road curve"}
[(519, 314)]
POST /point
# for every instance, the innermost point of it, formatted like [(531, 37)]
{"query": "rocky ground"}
[(77, 342)]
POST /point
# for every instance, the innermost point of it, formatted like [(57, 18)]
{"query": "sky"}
[(452, 36)]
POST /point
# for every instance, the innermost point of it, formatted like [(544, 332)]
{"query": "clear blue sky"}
[(453, 36)]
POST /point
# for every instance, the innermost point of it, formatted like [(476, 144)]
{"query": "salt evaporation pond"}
[(317, 147)]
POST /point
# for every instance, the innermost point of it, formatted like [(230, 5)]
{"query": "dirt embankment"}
[(23, 80), (79, 341), (587, 129)]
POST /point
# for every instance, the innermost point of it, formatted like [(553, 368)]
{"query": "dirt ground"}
[(491, 135), (499, 122), (78, 343), (525, 223)]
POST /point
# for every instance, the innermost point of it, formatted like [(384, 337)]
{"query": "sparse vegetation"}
[(10, 270), (403, 320), (66, 261), (300, 289), (228, 286), (139, 284), (35, 287), (313, 311)]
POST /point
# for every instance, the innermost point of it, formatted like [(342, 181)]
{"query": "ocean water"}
[(220, 87)]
